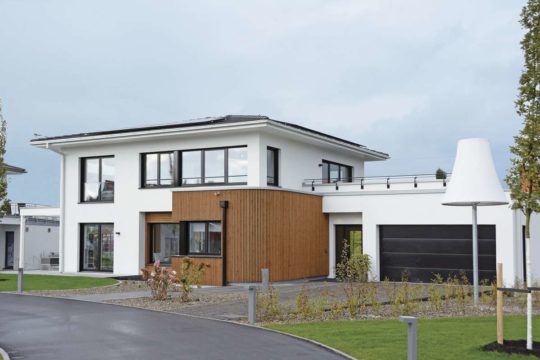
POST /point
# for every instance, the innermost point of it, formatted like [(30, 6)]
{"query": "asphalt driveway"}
[(51, 328)]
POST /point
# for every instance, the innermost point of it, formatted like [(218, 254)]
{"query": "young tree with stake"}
[(524, 175), (4, 202)]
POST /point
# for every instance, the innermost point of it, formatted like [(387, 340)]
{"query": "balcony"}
[(366, 184)]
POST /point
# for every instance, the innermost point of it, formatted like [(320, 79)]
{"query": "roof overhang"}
[(60, 143)]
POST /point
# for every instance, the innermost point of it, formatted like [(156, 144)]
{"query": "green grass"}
[(448, 338), (8, 282)]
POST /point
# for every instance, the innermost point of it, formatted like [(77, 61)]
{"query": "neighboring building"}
[(42, 235), (243, 193)]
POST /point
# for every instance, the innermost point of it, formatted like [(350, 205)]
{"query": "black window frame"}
[(184, 226), (143, 179), (152, 240), (328, 179), (82, 176), (275, 151), (202, 178), (81, 247)]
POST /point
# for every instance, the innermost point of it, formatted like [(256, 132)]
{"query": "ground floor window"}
[(204, 238), (164, 242), (97, 247)]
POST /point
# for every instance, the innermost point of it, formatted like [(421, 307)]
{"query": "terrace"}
[(366, 184)]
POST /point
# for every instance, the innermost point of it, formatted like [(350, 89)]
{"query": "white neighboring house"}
[(41, 237), (131, 196)]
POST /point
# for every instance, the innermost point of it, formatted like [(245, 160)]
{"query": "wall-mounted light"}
[(117, 233), (320, 165)]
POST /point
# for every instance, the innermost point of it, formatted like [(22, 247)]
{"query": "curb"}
[(297, 337), (4, 354)]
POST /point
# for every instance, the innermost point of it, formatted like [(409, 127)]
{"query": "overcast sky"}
[(405, 77)]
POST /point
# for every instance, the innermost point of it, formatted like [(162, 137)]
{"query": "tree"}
[(440, 174), (4, 201), (524, 175)]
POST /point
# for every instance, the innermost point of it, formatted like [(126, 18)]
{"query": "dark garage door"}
[(421, 251)]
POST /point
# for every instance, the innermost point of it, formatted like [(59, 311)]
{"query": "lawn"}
[(448, 338), (8, 282)]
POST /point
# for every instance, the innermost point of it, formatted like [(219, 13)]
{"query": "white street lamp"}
[(474, 183)]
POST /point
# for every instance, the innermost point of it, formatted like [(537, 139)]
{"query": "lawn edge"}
[(314, 342), (34, 292), (4, 354), (262, 328)]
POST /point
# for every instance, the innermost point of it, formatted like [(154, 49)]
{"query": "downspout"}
[(61, 248), (224, 206)]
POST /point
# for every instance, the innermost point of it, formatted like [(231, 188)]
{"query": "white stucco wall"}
[(38, 241), (298, 161), (419, 208)]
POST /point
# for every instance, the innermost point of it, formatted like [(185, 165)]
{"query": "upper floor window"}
[(272, 166), (332, 172), (214, 166), (158, 169), (97, 179)]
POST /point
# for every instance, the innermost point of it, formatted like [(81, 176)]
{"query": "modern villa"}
[(41, 234), (242, 193)]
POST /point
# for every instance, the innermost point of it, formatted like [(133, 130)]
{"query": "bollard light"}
[(252, 300), (411, 322)]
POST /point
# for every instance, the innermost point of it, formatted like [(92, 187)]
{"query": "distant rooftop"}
[(228, 119)]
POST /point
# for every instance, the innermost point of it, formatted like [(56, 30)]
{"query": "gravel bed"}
[(121, 286), (173, 304)]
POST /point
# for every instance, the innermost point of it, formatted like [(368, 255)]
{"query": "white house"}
[(246, 192), (42, 235)]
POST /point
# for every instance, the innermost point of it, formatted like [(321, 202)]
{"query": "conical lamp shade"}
[(474, 179)]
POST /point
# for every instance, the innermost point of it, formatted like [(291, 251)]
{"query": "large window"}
[(97, 247), (158, 169), (97, 179), (204, 238), (332, 172), (214, 166), (272, 166), (164, 242)]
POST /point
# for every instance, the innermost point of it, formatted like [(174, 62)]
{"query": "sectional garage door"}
[(421, 251)]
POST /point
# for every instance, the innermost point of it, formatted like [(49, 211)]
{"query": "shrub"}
[(435, 296), (268, 306), (191, 275), (159, 280), (354, 268)]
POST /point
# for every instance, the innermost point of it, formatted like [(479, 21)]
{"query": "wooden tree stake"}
[(500, 305)]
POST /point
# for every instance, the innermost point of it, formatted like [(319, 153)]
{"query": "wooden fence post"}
[(500, 305)]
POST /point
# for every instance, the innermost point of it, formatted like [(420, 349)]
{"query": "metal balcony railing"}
[(367, 182)]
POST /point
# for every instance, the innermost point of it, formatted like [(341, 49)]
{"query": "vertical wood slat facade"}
[(284, 231)]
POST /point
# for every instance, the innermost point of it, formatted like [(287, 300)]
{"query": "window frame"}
[(276, 152), (202, 177), (82, 176), (143, 169), (151, 241), (330, 180), (81, 245), (206, 223)]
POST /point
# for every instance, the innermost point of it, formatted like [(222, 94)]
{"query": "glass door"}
[(348, 241), (97, 247)]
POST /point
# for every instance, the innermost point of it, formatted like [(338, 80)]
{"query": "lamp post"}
[(474, 183)]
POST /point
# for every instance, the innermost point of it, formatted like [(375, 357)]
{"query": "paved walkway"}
[(51, 328)]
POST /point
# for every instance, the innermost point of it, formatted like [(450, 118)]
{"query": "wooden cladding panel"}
[(213, 274), (280, 230)]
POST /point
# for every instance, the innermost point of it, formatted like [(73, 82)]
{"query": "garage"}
[(420, 251)]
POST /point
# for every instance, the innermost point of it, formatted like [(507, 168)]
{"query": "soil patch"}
[(514, 347)]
